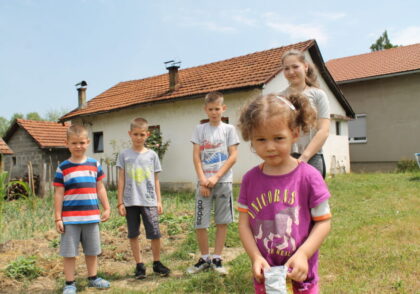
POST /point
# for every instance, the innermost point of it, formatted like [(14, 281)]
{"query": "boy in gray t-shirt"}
[(214, 153), (139, 195)]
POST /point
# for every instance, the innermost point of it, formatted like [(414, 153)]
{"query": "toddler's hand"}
[(258, 266), (159, 208), (59, 226), (105, 215), (121, 210), (299, 265)]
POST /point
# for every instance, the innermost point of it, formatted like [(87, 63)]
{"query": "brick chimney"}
[(81, 91), (172, 68)]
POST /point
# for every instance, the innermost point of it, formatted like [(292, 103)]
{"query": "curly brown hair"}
[(260, 109)]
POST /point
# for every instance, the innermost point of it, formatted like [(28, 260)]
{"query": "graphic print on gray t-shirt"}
[(214, 142), (139, 171)]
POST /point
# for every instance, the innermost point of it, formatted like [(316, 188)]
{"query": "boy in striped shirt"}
[(78, 186)]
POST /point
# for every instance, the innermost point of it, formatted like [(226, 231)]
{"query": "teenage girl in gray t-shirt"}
[(302, 79)]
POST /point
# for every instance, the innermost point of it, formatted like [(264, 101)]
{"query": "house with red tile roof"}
[(4, 151), (173, 101), (43, 143), (383, 88)]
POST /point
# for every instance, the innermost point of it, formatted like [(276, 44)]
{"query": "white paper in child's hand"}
[(275, 280)]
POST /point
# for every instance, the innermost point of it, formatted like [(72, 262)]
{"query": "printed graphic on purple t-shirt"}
[(279, 209)]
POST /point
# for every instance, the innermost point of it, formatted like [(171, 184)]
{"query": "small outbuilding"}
[(37, 145), (4, 152)]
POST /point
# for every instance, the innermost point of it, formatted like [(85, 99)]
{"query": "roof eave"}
[(378, 77), (323, 70), (175, 99)]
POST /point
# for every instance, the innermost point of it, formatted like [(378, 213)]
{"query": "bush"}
[(23, 267), (155, 142), (407, 165)]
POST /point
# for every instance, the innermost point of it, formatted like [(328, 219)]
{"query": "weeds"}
[(23, 267)]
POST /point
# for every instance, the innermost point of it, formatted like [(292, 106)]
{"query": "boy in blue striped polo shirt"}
[(78, 185)]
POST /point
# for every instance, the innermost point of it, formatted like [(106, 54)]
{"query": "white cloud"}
[(241, 16), (199, 18), (300, 31), (213, 26), (407, 36), (330, 15)]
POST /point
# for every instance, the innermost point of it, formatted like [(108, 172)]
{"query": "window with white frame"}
[(357, 129)]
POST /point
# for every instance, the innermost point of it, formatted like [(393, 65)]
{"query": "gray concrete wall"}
[(392, 106), (25, 150)]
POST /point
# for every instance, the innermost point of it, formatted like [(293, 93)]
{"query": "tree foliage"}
[(34, 116), (4, 125), (51, 115), (382, 43)]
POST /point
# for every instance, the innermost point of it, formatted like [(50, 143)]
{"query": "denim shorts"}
[(317, 161), (150, 218)]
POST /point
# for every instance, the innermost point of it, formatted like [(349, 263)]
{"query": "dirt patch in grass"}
[(115, 262)]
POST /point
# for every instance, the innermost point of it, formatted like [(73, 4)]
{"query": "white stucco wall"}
[(177, 121)]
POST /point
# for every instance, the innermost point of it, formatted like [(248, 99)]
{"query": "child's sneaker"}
[(70, 289), (199, 266), (160, 269), (99, 283), (140, 272), (216, 264)]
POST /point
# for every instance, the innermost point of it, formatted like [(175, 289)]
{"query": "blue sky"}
[(47, 46)]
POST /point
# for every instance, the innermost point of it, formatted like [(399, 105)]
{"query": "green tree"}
[(33, 116), (54, 114), (382, 43), (4, 125), (156, 143), (16, 116)]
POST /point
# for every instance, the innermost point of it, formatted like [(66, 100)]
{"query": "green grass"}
[(373, 246)]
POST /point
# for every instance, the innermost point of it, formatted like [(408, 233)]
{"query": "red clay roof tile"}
[(378, 63), (46, 133), (244, 71), (4, 148)]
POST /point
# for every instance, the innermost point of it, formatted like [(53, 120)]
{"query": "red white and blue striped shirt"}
[(80, 204)]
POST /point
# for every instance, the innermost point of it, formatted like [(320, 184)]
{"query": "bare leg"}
[(69, 268), (135, 248), (203, 241), (91, 264), (155, 243), (221, 232)]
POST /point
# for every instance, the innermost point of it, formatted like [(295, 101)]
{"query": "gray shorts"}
[(87, 234), (150, 218), (221, 195)]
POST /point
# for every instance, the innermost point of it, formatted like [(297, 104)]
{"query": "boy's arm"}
[(158, 196), (102, 195), (58, 208), (233, 153), (120, 192), (258, 261), (199, 171), (299, 260)]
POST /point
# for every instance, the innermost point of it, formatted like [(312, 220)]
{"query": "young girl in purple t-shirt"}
[(283, 203)]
